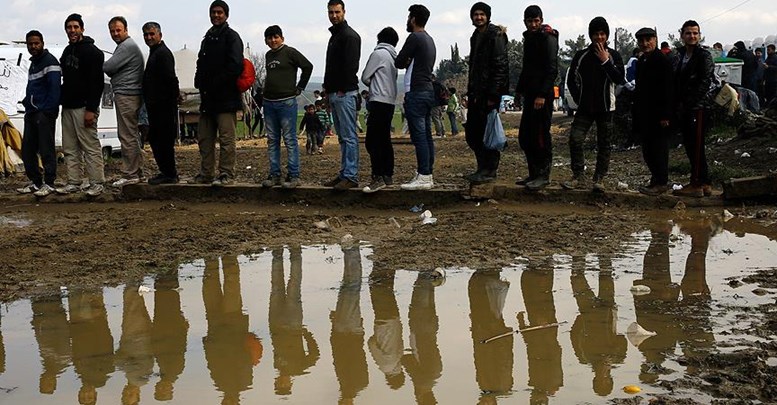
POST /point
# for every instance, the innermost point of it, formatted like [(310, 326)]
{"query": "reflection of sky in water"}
[(362, 335)]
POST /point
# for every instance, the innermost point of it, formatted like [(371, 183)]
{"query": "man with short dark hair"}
[(653, 109), (125, 68), (41, 108), (694, 72), (219, 64), (418, 56), (536, 86), (488, 81), (281, 89), (82, 89), (161, 94), (593, 75), (342, 85)]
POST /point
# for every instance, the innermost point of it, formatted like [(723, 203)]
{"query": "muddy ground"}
[(47, 245)]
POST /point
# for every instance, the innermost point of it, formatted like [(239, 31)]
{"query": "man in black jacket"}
[(160, 93), (593, 75), (535, 84), (488, 81), (694, 72), (770, 74), (342, 85), (653, 109), (82, 90), (219, 64)]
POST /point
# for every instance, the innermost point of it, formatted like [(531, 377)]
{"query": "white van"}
[(14, 66)]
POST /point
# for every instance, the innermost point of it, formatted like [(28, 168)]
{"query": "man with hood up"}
[(488, 81), (535, 84), (82, 90), (594, 73), (380, 75)]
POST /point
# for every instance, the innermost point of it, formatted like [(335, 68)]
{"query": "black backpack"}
[(441, 93)]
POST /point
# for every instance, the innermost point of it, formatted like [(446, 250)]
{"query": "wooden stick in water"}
[(529, 329)]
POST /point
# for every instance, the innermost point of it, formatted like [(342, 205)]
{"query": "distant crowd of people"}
[(668, 93)]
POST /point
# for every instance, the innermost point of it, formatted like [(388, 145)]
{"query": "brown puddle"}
[(324, 324)]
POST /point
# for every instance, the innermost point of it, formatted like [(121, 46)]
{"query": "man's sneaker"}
[(200, 179), (388, 180), (538, 184), (654, 190), (333, 182), (222, 180), (376, 184), (125, 182), (524, 181), (68, 189), (599, 186), (162, 179), (291, 182), (576, 182), (345, 184), (690, 191), (421, 182), (44, 190), (94, 190), (28, 189), (271, 181)]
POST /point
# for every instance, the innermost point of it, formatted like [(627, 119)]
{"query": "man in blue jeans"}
[(342, 84), (418, 55), (280, 105)]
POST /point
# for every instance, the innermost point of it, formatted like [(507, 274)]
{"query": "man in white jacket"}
[(380, 75)]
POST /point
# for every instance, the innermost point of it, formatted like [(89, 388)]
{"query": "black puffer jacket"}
[(219, 64), (694, 81), (540, 64), (489, 69)]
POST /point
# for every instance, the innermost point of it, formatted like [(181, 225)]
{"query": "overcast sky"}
[(305, 22)]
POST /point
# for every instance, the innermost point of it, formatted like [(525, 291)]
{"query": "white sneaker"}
[(94, 190), (125, 182), (68, 189), (28, 189), (421, 182), (44, 190)]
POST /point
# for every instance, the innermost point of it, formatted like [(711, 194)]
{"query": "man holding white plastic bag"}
[(488, 81)]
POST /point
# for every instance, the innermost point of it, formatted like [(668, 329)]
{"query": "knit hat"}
[(222, 4), (482, 7), (75, 17), (532, 12), (598, 24)]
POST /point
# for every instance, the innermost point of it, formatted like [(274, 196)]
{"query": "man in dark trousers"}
[(160, 93), (488, 81), (653, 109), (219, 64), (593, 74), (535, 85), (41, 107), (694, 72), (342, 86)]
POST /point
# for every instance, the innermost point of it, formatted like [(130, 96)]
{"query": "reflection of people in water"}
[(386, 344), (228, 357), (168, 334), (673, 321), (493, 361), (134, 355), (347, 337), (289, 337), (594, 336), (423, 363), (49, 321), (92, 343), (542, 349)]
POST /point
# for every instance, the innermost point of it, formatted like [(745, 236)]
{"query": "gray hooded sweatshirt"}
[(380, 74), (125, 68)]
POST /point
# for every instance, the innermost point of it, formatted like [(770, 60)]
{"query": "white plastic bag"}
[(494, 138)]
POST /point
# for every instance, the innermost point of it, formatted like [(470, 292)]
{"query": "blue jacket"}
[(43, 84)]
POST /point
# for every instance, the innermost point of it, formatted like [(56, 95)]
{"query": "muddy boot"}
[(576, 182), (542, 180), (532, 173), (489, 172)]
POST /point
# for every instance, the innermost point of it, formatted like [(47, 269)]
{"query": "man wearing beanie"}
[(593, 75), (488, 81), (82, 90), (535, 85), (219, 64)]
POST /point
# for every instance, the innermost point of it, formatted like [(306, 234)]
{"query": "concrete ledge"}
[(751, 187)]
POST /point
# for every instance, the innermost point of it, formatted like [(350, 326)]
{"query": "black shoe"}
[(388, 180), (271, 181), (524, 181), (538, 184), (345, 184), (333, 182), (162, 179), (482, 178), (474, 175)]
